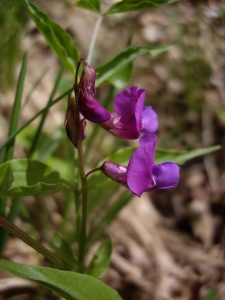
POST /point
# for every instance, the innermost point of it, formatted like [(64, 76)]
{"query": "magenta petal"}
[(92, 110), (140, 95), (150, 138), (149, 120), (125, 103), (166, 175), (139, 170)]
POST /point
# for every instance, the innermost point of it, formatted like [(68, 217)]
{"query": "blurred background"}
[(168, 244)]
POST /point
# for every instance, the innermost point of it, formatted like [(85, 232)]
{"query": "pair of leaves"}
[(70, 285), (117, 71), (123, 6), (26, 177)]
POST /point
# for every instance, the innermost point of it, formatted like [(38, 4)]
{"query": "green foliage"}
[(180, 157), (32, 177), (136, 5), (12, 22), (212, 294), (16, 109), (70, 285), (6, 178), (101, 260), (93, 5), (56, 37), (63, 250), (119, 69)]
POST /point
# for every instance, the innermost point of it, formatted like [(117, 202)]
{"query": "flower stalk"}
[(82, 233)]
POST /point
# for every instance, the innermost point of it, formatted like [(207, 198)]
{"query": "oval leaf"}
[(56, 37), (70, 285), (32, 178), (119, 69), (136, 5), (101, 259), (93, 5)]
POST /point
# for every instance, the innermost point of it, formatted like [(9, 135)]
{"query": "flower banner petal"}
[(139, 170)]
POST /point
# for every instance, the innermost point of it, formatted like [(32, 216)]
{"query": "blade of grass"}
[(41, 124), (16, 109), (10, 146), (14, 121)]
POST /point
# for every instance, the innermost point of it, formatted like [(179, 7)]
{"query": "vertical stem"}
[(82, 233), (93, 39)]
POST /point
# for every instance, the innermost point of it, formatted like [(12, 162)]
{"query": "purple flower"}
[(141, 175), (131, 117)]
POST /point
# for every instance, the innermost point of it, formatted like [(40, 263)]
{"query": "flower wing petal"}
[(149, 120), (166, 175)]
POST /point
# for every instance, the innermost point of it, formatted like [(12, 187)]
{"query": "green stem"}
[(34, 244), (82, 233)]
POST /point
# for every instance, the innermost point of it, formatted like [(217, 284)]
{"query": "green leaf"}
[(16, 108), (212, 294), (6, 179), (119, 69), (180, 157), (70, 285), (63, 249), (93, 5), (32, 177), (136, 5), (122, 157), (56, 37), (101, 260)]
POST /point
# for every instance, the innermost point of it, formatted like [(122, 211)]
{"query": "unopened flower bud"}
[(71, 122), (87, 81), (91, 109), (115, 172)]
